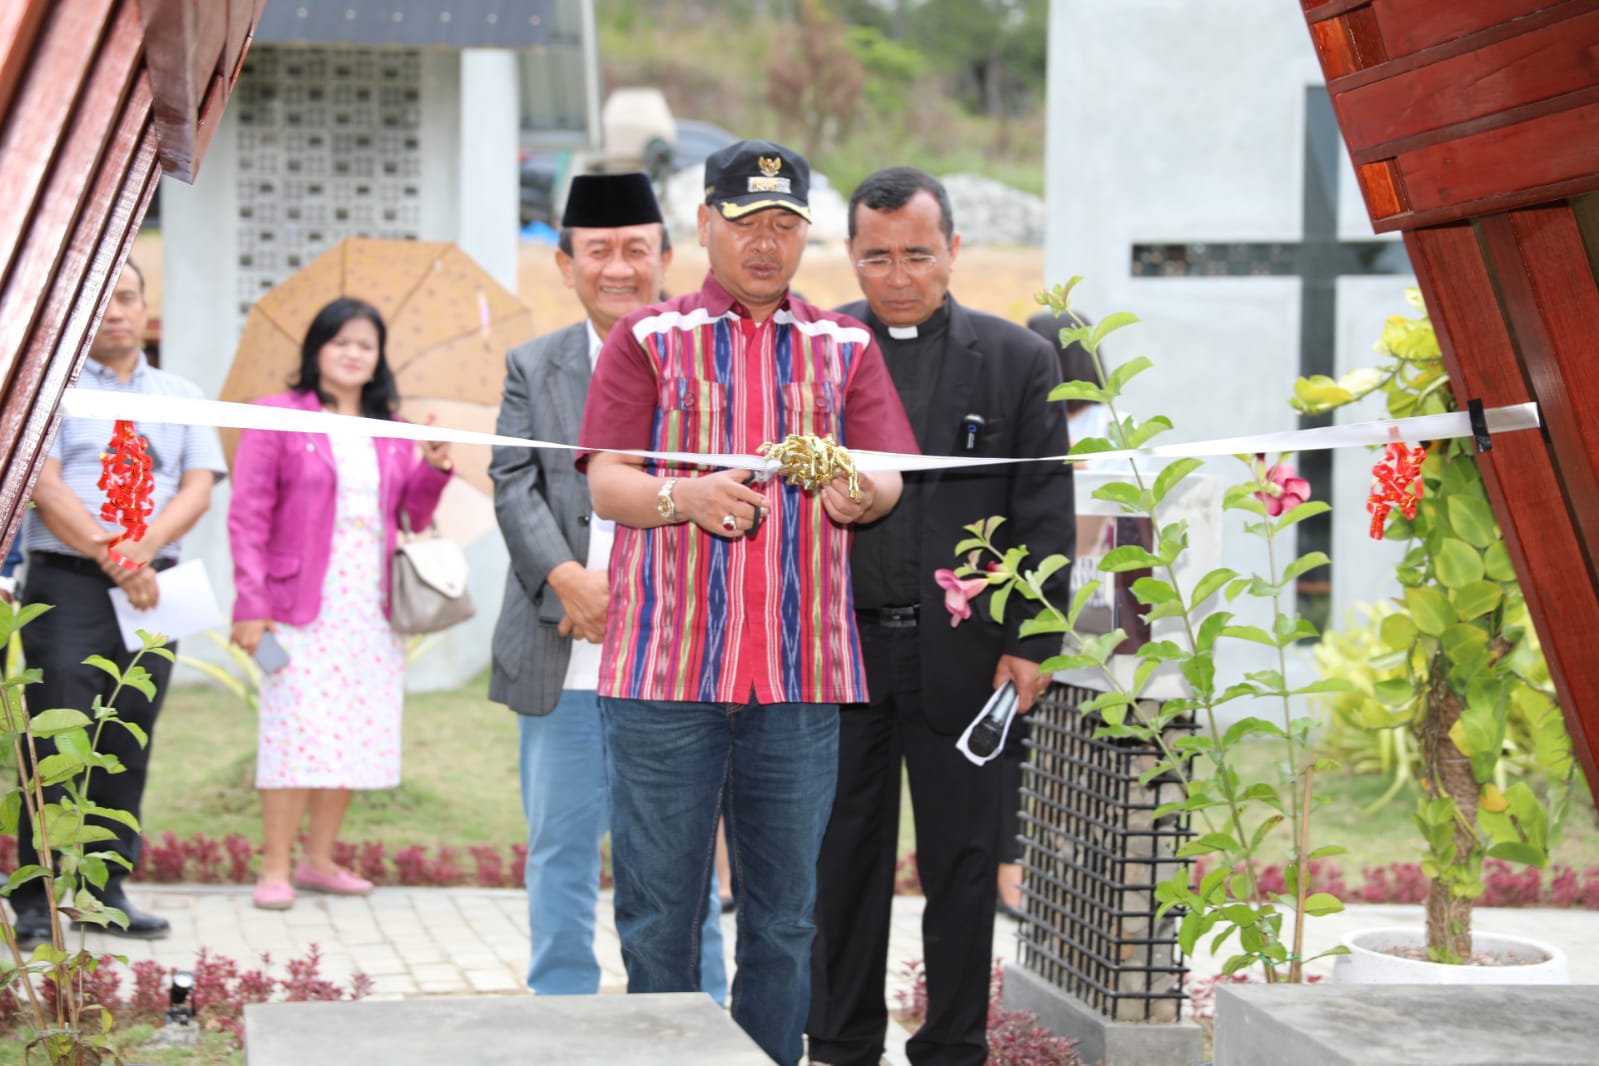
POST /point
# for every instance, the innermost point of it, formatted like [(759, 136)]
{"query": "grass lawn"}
[(461, 785), (1389, 834)]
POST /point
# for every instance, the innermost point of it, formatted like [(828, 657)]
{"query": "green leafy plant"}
[(1361, 732), (1235, 817), (1367, 735), (243, 680), (1466, 674), (69, 1026)]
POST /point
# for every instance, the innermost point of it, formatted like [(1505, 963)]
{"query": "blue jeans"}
[(769, 771), (564, 799)]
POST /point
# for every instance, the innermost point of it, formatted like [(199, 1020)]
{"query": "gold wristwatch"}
[(665, 506)]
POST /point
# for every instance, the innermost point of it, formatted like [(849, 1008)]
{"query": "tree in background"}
[(814, 79), (945, 85)]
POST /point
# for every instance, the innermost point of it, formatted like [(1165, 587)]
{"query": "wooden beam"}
[(1493, 81), (171, 34), (1462, 175), (52, 286), (80, 146), (1519, 472), (242, 15), (54, 194), (37, 121), (1408, 26), (20, 22), (1548, 295), (96, 249)]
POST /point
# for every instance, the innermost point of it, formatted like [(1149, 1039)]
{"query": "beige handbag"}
[(428, 592)]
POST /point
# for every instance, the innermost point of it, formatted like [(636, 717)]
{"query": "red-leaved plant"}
[(169, 860), (1015, 1038), (222, 989)]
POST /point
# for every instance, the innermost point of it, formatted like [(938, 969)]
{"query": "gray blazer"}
[(542, 504)]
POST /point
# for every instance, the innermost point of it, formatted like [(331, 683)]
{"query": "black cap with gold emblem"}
[(752, 176)]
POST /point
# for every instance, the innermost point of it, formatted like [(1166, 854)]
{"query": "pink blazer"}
[(280, 519)]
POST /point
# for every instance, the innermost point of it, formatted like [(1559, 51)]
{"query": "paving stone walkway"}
[(458, 941), (426, 941)]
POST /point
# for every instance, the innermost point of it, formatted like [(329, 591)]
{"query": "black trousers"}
[(956, 807), (81, 623)]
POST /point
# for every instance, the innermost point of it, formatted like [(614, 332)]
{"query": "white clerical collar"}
[(933, 324)]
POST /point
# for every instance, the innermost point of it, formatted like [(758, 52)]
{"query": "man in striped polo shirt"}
[(69, 567), (730, 636)]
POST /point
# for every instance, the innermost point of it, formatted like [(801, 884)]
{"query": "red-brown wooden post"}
[(1474, 129), (97, 97)]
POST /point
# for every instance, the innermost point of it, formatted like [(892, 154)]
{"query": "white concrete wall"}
[(1184, 123), (469, 185), (200, 327)]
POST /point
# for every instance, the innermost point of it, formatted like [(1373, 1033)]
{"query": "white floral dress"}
[(331, 717)]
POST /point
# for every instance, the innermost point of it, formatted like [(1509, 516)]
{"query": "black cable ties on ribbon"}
[(1480, 437)]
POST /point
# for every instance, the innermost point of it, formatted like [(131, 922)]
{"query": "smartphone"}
[(269, 654)]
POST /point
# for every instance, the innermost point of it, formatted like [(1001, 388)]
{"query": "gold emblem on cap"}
[(771, 166)]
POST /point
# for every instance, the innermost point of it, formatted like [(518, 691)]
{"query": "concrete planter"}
[(1368, 963), (1404, 1025)]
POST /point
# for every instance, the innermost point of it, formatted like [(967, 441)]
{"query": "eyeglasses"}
[(881, 266)]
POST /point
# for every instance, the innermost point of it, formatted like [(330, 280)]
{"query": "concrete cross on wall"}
[(1319, 259)]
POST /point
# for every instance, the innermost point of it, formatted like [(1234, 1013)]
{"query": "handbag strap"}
[(406, 533)]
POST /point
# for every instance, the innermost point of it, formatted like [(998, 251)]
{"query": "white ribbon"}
[(179, 410)]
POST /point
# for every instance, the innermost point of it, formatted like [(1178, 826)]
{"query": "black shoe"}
[(142, 925), (32, 928)]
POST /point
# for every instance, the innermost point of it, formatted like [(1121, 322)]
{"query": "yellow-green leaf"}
[(1398, 631), (1477, 599), (1496, 562), (1320, 903), (1319, 393), (1430, 610), (1473, 520), (1458, 563)]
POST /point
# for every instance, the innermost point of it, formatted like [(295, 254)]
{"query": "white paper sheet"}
[(187, 606)]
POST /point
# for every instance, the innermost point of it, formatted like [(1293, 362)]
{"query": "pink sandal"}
[(339, 883), (274, 895)]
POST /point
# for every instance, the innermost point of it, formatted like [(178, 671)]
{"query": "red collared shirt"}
[(698, 617)]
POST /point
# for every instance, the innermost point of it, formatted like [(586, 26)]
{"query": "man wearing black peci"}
[(973, 385)]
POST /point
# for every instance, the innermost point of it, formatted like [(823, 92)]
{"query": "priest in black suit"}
[(973, 385)]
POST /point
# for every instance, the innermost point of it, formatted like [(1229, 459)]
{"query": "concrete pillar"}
[(486, 226), (200, 319), (441, 144)]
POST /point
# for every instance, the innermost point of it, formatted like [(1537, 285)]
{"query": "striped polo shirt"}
[(174, 450), (771, 617)]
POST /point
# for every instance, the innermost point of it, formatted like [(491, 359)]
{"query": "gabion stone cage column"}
[(1092, 855)]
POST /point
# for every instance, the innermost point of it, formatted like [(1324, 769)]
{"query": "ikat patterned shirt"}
[(768, 617)]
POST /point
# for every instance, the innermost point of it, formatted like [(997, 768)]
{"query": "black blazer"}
[(1003, 372)]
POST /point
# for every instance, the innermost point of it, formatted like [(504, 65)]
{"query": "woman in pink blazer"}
[(312, 524)]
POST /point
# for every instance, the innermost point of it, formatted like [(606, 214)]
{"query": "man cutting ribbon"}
[(727, 652)]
